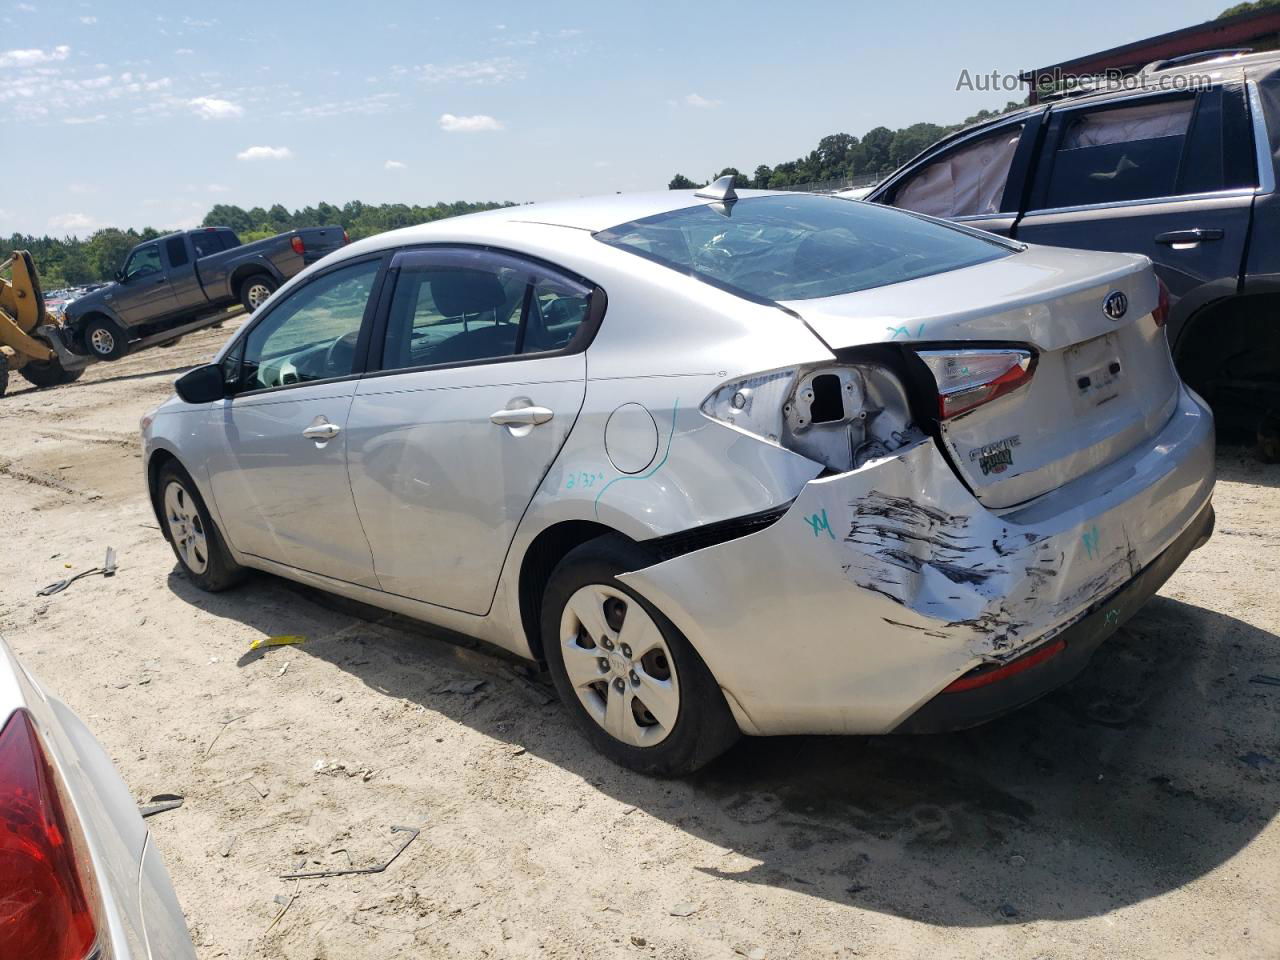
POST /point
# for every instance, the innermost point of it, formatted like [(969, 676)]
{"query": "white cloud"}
[(31, 57), (82, 188), (694, 100), (77, 121), (473, 124), (71, 221), (24, 7), (218, 188), (475, 72), (265, 153), (395, 165), (184, 51), (215, 108), (88, 20)]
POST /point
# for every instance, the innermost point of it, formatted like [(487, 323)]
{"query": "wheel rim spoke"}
[(617, 716), (588, 608), (640, 633), (186, 528), (660, 697), (582, 665)]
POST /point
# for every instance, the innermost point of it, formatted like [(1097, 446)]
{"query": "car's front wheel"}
[(631, 680), (191, 532), (104, 338)]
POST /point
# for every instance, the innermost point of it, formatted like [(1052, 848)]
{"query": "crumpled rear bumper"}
[(881, 586)]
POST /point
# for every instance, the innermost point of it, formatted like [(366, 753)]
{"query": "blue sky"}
[(134, 114)]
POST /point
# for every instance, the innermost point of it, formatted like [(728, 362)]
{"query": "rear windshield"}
[(801, 247)]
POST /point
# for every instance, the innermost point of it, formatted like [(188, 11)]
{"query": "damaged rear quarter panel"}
[(880, 586)]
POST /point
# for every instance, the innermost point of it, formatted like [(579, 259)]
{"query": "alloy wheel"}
[(258, 294), (102, 341), (619, 665), (186, 528)]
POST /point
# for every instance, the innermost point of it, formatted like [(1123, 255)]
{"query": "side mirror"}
[(119, 276), (202, 385)]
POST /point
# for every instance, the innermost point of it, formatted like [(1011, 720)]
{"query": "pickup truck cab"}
[(174, 281)]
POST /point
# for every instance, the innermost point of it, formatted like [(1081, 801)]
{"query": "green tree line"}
[(841, 155), (67, 261)]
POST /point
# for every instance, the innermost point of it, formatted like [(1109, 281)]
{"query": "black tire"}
[(251, 290), (104, 339), (48, 373), (703, 729), (220, 571)]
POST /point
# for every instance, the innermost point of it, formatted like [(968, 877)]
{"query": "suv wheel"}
[(191, 532), (633, 683)]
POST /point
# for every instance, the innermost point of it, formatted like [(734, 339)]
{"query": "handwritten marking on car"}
[(818, 522), (583, 479), (1090, 541), (895, 332)]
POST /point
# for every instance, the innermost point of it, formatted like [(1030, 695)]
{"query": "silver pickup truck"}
[(177, 281)]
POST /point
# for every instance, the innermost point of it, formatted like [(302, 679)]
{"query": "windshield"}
[(801, 247)]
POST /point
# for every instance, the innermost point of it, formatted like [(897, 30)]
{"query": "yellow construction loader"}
[(31, 341)]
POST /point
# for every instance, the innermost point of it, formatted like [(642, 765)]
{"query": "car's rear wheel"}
[(633, 683), (255, 291), (191, 532)]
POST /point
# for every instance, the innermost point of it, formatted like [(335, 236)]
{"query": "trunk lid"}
[(1100, 385)]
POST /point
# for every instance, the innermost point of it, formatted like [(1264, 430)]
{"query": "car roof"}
[(590, 214)]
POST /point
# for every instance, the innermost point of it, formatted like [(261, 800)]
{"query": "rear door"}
[(482, 376), (187, 292), (1149, 174), (977, 179), (279, 472), (144, 292)]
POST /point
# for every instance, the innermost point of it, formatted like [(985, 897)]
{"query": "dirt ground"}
[(1132, 814)]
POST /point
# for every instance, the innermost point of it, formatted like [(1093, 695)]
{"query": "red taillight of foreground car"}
[(298, 247), (987, 675), (1161, 313), (46, 891), (970, 378)]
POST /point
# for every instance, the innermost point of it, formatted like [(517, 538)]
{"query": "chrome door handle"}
[(321, 431), (1194, 235), (521, 416)]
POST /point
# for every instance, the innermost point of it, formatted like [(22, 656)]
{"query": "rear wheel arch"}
[(246, 271), (548, 548)]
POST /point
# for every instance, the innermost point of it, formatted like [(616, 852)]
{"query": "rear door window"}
[(206, 243), (966, 181), (176, 250), (1119, 153), (455, 306)]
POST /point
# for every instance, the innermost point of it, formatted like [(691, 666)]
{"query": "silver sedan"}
[(725, 462)]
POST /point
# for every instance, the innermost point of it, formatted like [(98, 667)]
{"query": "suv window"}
[(459, 306), (311, 335), (142, 261), (967, 181), (802, 246), (176, 251), (1115, 154)]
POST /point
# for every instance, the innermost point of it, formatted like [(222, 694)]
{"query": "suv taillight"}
[(297, 245), (1161, 313), (345, 238), (970, 378), (47, 893)]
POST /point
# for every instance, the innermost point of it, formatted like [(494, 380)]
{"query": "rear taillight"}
[(1161, 313), (345, 238), (47, 893), (839, 415), (297, 245), (994, 673), (970, 378)]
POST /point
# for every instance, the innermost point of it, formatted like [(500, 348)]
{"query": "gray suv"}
[(1182, 168)]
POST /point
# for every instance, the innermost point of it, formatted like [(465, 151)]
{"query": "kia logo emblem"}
[(1116, 305)]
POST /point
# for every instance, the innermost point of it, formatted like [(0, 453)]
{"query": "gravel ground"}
[(1132, 814)]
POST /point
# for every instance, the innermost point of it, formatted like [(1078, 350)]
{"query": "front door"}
[(279, 477), (482, 377), (144, 292)]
